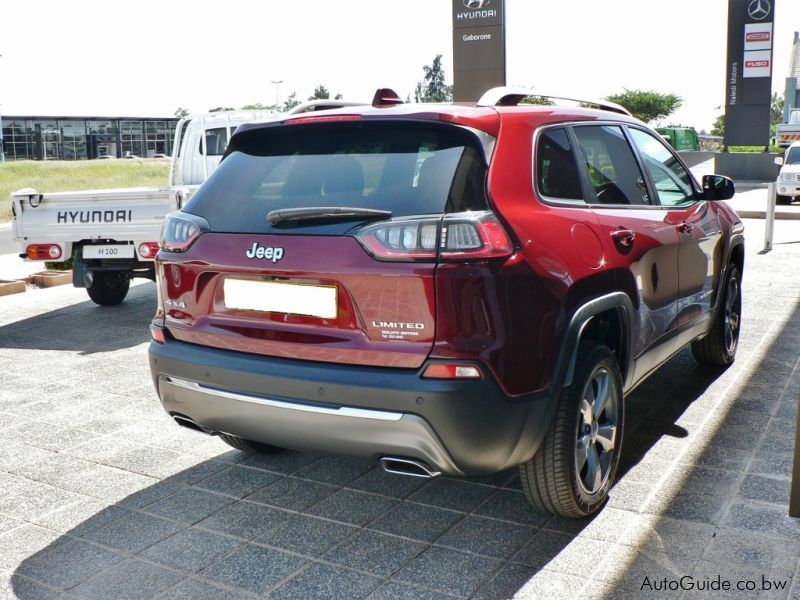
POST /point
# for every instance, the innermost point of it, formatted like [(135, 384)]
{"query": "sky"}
[(148, 57)]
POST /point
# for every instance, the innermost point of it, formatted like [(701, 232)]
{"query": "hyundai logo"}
[(757, 9), (476, 4)]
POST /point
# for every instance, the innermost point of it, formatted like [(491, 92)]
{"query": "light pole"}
[(277, 93), (2, 148)]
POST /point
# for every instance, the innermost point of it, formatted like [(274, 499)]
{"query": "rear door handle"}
[(623, 237), (685, 227)]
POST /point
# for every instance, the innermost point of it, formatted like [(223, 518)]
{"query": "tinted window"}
[(408, 168), (673, 183), (216, 141), (556, 169), (611, 164), (793, 156)]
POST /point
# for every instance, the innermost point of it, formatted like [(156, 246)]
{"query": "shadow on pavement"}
[(224, 524), (86, 327), (721, 507)]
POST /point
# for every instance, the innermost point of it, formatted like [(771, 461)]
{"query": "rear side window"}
[(216, 141), (612, 167), (556, 168), (407, 168)]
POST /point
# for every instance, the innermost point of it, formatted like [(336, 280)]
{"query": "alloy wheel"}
[(597, 431), (732, 316)]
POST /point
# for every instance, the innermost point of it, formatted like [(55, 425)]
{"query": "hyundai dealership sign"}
[(749, 72), (479, 47)]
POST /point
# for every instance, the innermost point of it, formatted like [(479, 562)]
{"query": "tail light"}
[(148, 249), (43, 252), (452, 371), (181, 230), (158, 335), (456, 236)]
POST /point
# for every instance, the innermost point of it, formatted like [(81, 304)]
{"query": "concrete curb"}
[(746, 186), (761, 214)]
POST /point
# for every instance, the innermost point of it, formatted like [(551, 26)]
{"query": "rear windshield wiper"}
[(287, 217)]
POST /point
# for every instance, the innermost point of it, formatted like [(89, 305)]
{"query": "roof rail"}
[(511, 96), (320, 105)]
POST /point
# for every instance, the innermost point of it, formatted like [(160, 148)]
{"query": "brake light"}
[(456, 236), (474, 235), (181, 230), (452, 371), (158, 335), (148, 249), (43, 252), (327, 119)]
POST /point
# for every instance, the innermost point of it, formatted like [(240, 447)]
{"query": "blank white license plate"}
[(289, 298), (108, 251)]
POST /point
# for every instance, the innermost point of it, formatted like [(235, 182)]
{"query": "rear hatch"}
[(319, 240)]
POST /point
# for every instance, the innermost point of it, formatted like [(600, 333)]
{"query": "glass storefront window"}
[(79, 139)]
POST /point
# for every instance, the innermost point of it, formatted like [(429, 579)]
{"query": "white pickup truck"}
[(112, 235), (788, 133)]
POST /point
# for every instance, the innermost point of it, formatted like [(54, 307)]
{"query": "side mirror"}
[(779, 160), (717, 187)]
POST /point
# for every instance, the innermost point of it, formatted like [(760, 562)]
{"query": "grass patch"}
[(753, 149), (72, 176)]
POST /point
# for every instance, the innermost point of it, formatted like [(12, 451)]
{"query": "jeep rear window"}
[(408, 168)]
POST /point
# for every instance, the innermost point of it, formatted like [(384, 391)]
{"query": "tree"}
[(221, 109), (320, 93), (290, 102), (432, 88), (181, 112), (776, 110), (257, 106), (647, 105), (538, 100), (718, 128), (323, 93)]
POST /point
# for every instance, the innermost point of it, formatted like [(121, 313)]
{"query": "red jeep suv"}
[(443, 288)]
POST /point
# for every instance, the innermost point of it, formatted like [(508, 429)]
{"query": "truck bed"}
[(117, 214)]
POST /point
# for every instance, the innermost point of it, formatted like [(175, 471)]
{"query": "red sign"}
[(759, 36), (755, 64)]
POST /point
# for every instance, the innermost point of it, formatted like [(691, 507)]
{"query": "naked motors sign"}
[(749, 72), (479, 47)]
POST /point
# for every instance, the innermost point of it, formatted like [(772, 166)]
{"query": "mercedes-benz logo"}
[(476, 4), (757, 9)]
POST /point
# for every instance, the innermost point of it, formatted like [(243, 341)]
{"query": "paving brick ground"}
[(102, 496)]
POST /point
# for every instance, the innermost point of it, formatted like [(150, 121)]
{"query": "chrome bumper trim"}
[(343, 411)]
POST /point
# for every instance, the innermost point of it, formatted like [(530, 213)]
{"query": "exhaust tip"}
[(189, 423), (407, 466)]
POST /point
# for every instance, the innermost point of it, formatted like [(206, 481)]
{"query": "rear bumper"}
[(457, 427)]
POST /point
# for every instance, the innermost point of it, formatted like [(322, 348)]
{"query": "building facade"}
[(82, 138)]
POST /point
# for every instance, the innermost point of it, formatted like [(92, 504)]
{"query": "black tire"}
[(248, 446), (553, 480), (718, 348), (109, 288), (783, 199)]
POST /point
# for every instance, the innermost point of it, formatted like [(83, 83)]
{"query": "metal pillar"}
[(794, 498), (769, 229)]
